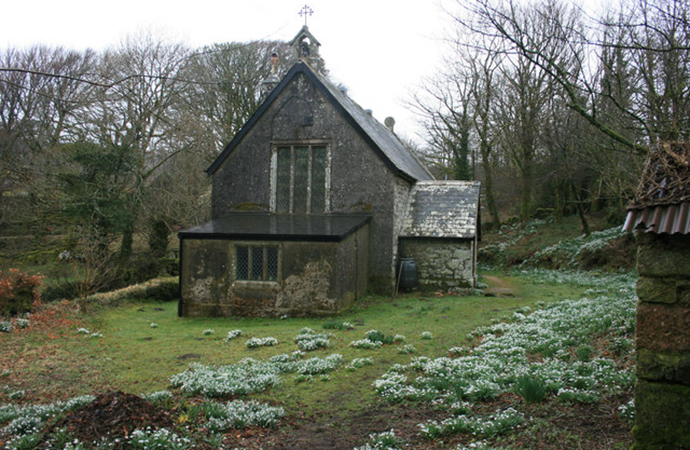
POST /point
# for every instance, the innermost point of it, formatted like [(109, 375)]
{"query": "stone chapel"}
[(315, 203)]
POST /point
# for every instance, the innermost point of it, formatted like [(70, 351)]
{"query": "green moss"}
[(663, 367), (249, 206), (662, 414), (664, 290), (656, 290), (663, 255)]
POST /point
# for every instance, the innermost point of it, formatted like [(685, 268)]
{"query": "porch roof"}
[(279, 227)]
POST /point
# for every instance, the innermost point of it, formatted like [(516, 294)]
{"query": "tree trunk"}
[(526, 194), (126, 248), (580, 210), (489, 193)]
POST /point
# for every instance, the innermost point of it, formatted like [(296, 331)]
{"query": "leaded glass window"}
[(318, 179), (259, 263), (301, 181), (283, 183), (242, 263)]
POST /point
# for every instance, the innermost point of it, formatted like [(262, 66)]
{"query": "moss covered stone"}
[(663, 255), (662, 416), (653, 366), (664, 290), (663, 328)]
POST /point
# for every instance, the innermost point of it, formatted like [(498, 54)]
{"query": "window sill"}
[(248, 284)]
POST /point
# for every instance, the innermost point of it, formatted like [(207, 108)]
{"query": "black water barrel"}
[(408, 275)]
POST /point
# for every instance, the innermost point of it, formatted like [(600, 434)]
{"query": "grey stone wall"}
[(314, 278), (441, 263), (204, 276), (360, 181), (401, 204), (662, 392)]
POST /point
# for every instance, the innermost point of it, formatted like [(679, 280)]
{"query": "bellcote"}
[(305, 47)]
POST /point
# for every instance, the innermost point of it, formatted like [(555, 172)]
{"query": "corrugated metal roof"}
[(443, 209), (670, 219)]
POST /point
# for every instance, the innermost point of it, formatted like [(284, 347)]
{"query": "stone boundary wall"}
[(662, 393)]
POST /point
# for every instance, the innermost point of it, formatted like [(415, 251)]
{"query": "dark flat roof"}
[(279, 227)]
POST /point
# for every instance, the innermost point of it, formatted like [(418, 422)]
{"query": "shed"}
[(440, 233)]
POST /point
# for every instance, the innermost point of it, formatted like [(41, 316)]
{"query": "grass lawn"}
[(137, 347)]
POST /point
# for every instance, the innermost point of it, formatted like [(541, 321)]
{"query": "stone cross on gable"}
[(306, 11)]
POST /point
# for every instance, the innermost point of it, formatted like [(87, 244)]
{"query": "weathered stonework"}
[(315, 179), (671, 290), (439, 232), (664, 367), (309, 290), (662, 327), (663, 256), (315, 279), (662, 393), (359, 180), (663, 424), (441, 263), (400, 209)]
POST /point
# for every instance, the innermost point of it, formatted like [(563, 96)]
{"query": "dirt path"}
[(499, 287)]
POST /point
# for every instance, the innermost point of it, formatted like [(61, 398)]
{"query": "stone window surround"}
[(275, 145)]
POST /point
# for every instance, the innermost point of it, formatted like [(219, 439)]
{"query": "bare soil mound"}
[(114, 414)]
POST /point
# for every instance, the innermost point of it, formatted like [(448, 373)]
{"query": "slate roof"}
[(273, 227), (385, 143), (443, 209)]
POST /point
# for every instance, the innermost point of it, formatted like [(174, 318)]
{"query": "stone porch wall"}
[(662, 393), (314, 278)]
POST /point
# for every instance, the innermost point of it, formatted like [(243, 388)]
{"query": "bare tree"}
[(444, 105), (40, 93), (134, 112), (625, 75), (485, 68), (659, 43), (228, 84), (505, 21)]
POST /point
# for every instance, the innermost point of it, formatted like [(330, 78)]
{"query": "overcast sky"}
[(379, 49)]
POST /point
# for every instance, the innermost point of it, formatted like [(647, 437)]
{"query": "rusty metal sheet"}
[(670, 219)]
